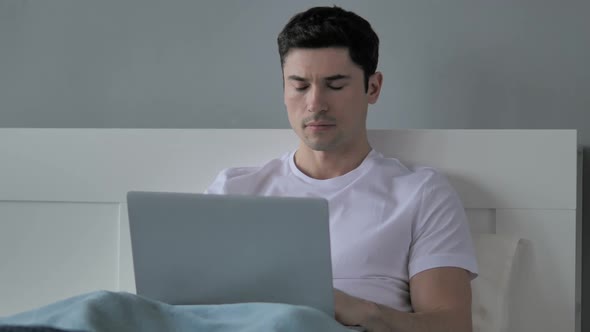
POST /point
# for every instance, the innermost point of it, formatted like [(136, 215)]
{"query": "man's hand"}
[(351, 310)]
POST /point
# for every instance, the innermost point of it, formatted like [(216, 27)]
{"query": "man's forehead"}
[(319, 63)]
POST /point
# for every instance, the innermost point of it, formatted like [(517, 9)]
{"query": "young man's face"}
[(326, 99)]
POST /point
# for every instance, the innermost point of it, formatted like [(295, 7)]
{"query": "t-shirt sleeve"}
[(441, 235)]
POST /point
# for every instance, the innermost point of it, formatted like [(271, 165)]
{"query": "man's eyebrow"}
[(336, 77), (296, 78)]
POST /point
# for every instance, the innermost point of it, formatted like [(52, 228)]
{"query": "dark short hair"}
[(320, 27)]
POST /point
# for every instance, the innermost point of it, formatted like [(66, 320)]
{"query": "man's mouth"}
[(319, 124), (318, 127)]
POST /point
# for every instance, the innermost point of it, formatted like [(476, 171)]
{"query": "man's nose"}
[(316, 100)]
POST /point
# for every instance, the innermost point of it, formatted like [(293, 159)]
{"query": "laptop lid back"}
[(216, 249)]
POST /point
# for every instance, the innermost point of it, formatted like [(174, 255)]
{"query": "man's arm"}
[(441, 298)]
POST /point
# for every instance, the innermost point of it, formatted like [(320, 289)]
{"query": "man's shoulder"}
[(416, 174), (238, 172), (412, 181), (429, 181), (231, 179), (271, 166)]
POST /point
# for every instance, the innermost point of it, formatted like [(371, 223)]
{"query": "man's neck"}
[(323, 165)]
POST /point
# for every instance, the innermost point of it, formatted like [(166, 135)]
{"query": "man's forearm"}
[(384, 319)]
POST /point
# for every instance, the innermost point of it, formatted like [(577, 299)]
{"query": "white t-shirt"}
[(387, 222)]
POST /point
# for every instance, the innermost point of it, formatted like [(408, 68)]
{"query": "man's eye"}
[(335, 87), (301, 88)]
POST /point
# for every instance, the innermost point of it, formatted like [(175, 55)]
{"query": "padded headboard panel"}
[(63, 218)]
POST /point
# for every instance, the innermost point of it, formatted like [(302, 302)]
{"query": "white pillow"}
[(495, 256)]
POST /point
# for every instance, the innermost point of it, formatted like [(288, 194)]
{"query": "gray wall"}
[(447, 64), (197, 64)]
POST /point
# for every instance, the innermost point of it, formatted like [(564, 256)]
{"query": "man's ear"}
[(374, 87)]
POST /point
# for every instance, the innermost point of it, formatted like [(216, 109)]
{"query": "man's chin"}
[(322, 146)]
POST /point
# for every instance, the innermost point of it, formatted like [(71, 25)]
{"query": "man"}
[(401, 249)]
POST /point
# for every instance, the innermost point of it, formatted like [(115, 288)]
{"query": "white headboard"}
[(63, 218)]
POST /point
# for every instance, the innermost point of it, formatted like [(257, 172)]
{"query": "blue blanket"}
[(109, 311)]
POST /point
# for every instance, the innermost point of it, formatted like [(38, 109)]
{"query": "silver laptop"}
[(215, 249)]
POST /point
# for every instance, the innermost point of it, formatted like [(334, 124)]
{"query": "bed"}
[(64, 229)]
